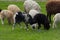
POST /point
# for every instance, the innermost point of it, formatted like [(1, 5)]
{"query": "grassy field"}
[(6, 32)]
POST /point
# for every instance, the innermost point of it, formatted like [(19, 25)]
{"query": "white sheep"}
[(31, 4), (13, 8), (6, 14), (56, 19)]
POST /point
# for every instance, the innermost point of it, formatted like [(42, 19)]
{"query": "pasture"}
[(6, 32)]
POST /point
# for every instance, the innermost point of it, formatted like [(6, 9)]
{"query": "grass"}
[(6, 32)]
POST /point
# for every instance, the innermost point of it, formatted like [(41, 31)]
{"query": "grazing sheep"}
[(13, 8), (31, 4), (6, 14), (52, 8), (56, 19), (39, 19), (20, 17)]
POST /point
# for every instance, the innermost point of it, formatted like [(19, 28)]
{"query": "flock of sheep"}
[(32, 14)]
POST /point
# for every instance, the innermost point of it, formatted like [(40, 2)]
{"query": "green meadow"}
[(6, 32)]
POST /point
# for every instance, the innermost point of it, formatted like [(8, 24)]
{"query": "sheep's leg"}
[(49, 16), (26, 26), (2, 20), (54, 24), (39, 25), (46, 27), (12, 20), (13, 26), (9, 20), (14, 23), (19, 24)]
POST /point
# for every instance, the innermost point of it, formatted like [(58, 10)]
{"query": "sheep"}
[(20, 17), (52, 8), (31, 4), (39, 19), (6, 14), (13, 8), (56, 19)]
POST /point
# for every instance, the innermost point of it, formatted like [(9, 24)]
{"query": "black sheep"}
[(40, 19)]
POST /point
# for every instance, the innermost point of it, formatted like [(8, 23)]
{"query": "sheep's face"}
[(31, 20), (19, 17), (34, 25)]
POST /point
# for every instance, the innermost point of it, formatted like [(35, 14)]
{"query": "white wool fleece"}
[(30, 4), (33, 13), (56, 19)]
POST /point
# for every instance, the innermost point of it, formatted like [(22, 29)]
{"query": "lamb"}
[(6, 14), (56, 19), (31, 4), (52, 8), (13, 8)]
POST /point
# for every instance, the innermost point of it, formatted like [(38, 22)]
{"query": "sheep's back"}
[(13, 8), (7, 13), (53, 7)]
